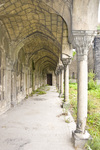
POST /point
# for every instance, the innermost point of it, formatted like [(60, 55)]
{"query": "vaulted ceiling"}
[(36, 28)]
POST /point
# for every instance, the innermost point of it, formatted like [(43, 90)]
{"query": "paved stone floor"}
[(34, 125)]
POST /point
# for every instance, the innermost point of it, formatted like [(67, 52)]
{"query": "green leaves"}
[(91, 84)]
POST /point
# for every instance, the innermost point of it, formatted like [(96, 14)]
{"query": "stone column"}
[(61, 79), (57, 80), (56, 77), (59, 86), (82, 41), (67, 84), (66, 62)]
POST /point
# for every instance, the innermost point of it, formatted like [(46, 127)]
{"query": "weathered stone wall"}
[(97, 57), (85, 14), (5, 73), (91, 59), (17, 77)]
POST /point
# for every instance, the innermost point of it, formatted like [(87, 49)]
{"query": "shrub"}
[(91, 84), (74, 53), (73, 85), (95, 144)]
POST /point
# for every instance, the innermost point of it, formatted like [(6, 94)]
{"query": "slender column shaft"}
[(82, 94), (58, 81), (66, 83), (61, 82), (59, 85)]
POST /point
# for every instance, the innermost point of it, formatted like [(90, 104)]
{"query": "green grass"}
[(98, 27), (93, 119), (67, 121), (40, 91), (95, 93), (73, 99), (73, 85)]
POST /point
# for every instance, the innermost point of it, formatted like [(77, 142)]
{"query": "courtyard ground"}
[(36, 124)]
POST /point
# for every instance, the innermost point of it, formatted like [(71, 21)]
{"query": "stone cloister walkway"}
[(34, 125)]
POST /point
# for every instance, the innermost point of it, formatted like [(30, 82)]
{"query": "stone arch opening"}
[(49, 79)]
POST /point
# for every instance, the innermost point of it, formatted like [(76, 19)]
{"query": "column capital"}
[(82, 40), (66, 61)]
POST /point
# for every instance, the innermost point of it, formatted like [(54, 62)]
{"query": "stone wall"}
[(5, 74), (97, 57), (17, 76), (91, 59)]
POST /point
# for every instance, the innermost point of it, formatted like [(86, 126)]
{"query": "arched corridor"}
[(36, 40), (33, 35)]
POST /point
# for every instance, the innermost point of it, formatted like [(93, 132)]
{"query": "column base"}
[(65, 104), (60, 95), (80, 139)]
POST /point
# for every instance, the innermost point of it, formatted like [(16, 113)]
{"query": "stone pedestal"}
[(80, 140), (66, 105)]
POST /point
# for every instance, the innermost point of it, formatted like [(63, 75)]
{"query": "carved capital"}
[(82, 40), (66, 61), (69, 3)]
